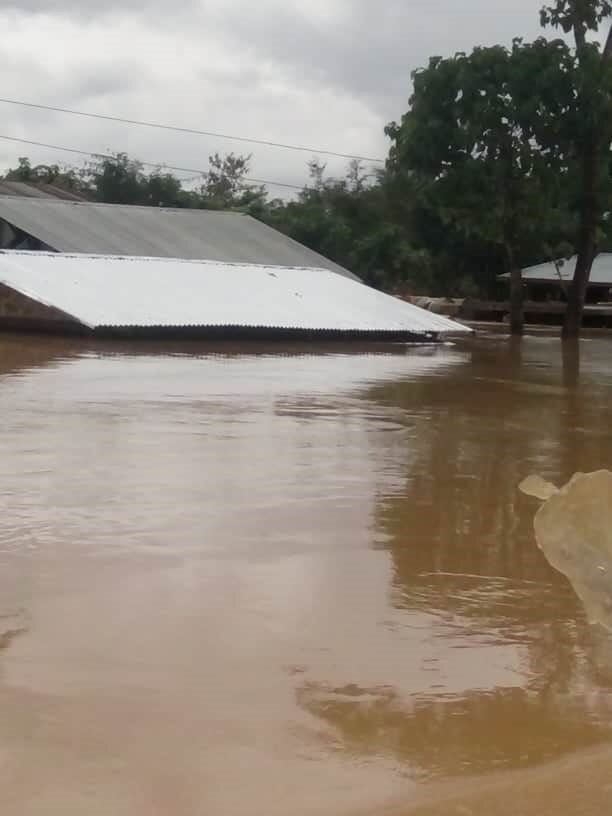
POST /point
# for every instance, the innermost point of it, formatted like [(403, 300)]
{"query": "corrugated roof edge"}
[(154, 259), (145, 207), (463, 330), (288, 333), (40, 192)]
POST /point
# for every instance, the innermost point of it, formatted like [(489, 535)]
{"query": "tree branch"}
[(607, 52), (579, 35)]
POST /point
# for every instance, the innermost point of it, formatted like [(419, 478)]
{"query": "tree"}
[(472, 144), (577, 16), (64, 177), (225, 185), (589, 137), (121, 180), (350, 220), (116, 180), (165, 190)]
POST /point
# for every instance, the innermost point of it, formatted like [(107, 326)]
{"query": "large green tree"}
[(586, 132), (476, 143)]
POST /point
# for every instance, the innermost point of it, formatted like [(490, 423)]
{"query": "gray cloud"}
[(325, 73), (94, 8), (370, 49), (103, 80)]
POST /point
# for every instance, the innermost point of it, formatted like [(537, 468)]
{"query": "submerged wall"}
[(18, 311)]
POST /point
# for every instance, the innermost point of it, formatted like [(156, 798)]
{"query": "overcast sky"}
[(320, 73)]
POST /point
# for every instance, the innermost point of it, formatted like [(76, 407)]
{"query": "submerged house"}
[(120, 229), (549, 282), (69, 266)]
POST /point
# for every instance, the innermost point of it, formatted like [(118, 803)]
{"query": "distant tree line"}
[(503, 159), (360, 220)]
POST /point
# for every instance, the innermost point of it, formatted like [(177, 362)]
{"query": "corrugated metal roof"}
[(101, 291), (46, 191), (601, 273), (113, 229)]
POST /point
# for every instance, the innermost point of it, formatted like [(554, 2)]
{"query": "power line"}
[(193, 131), (91, 154)]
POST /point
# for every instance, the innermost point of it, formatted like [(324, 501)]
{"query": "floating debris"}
[(11, 626), (538, 487), (574, 531)]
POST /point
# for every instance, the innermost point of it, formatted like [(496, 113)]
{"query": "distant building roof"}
[(113, 229), (601, 273), (23, 189), (101, 291)]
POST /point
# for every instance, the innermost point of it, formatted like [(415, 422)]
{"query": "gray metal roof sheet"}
[(601, 273), (22, 189), (113, 229), (102, 291)]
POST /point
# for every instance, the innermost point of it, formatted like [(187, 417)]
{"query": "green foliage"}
[(578, 16), (121, 180), (350, 221), (66, 178), (479, 143), (587, 136)]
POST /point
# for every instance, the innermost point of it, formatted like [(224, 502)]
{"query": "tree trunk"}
[(516, 283), (516, 300), (579, 35), (589, 218), (577, 293), (607, 52), (587, 243)]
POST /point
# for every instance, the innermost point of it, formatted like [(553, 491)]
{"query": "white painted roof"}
[(112, 291)]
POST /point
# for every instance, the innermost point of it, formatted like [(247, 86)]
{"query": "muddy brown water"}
[(260, 583)]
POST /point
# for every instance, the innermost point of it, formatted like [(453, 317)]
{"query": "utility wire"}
[(160, 165), (194, 131)]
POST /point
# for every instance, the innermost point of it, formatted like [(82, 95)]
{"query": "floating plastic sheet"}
[(573, 529)]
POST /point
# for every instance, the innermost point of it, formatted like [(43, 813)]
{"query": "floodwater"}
[(265, 584)]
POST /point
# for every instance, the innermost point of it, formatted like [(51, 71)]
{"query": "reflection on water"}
[(473, 733), (289, 583)]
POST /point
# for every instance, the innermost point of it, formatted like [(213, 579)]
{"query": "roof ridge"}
[(147, 207), (15, 253)]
